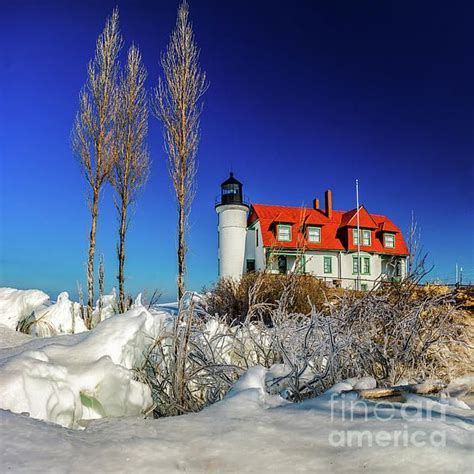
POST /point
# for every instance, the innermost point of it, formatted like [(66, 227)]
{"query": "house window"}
[(284, 232), (389, 241), (282, 264), (398, 268), (250, 266), (355, 265), (366, 238), (327, 264), (364, 287), (355, 237), (366, 266), (314, 234)]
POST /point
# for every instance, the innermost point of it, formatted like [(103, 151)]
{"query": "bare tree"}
[(93, 131), (176, 104), (132, 167), (414, 246)]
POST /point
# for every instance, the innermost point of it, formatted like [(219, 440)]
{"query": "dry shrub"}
[(234, 299), (465, 299), (394, 334), (405, 332)]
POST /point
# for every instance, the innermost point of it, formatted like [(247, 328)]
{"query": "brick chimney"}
[(316, 203), (328, 198)]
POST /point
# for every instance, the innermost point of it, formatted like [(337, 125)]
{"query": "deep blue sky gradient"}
[(304, 96)]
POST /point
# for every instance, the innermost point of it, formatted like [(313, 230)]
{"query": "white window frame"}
[(355, 237), (365, 233), (317, 236), (283, 226), (385, 244)]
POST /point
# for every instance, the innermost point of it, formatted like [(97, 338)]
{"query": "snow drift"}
[(69, 379), (248, 431), (62, 317), (18, 304)]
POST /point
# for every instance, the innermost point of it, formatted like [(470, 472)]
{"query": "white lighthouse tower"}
[(232, 229)]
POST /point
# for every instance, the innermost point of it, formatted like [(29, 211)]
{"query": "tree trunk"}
[(121, 257), (181, 250), (90, 260)]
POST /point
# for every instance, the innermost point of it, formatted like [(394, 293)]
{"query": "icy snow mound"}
[(105, 307), (18, 304), (242, 434), (10, 337), (63, 317), (68, 379)]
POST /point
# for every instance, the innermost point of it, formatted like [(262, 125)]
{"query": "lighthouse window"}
[(231, 189), (284, 232), (250, 266)]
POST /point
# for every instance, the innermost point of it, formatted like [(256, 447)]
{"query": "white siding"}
[(232, 230), (254, 251), (341, 268)]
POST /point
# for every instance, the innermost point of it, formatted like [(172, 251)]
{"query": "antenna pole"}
[(358, 236)]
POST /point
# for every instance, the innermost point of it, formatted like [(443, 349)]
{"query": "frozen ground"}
[(247, 432), (85, 381)]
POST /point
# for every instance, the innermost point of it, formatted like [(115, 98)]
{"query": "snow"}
[(62, 317), (10, 337), (246, 432), (18, 304), (69, 379), (71, 403), (108, 306)]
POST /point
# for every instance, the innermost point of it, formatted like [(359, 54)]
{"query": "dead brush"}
[(392, 334)]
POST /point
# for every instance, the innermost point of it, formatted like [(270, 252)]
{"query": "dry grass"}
[(397, 334), (234, 299)]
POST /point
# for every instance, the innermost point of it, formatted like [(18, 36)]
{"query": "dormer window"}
[(284, 233), (389, 241), (314, 234), (366, 237), (355, 237)]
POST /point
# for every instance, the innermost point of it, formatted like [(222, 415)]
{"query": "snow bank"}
[(18, 304), (10, 337), (68, 379), (108, 305), (241, 434), (62, 317)]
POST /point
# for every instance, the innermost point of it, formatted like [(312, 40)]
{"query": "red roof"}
[(335, 232), (365, 220)]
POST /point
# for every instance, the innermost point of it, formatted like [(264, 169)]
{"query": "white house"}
[(321, 242)]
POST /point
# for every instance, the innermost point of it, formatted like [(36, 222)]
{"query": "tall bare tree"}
[(177, 105), (415, 259), (93, 131), (131, 169)]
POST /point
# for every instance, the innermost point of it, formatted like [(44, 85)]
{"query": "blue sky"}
[(304, 96)]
